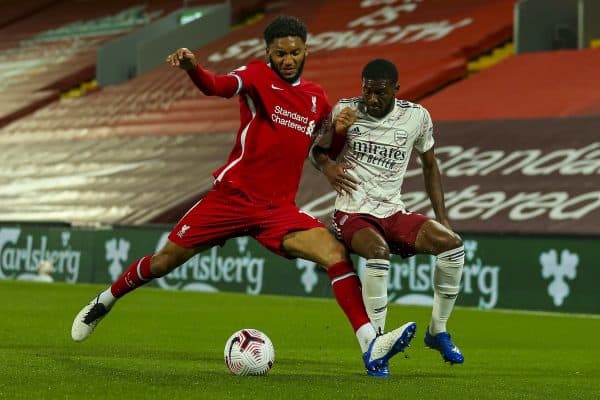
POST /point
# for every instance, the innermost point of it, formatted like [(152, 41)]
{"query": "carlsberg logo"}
[(22, 253), (559, 269)]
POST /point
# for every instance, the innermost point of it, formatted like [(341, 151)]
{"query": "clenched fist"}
[(182, 58), (344, 120)]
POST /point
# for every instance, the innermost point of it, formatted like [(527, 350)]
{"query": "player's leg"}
[(147, 268), (319, 245), (434, 238), (209, 222), (139, 273), (363, 236)]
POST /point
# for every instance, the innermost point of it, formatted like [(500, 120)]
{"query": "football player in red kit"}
[(254, 191)]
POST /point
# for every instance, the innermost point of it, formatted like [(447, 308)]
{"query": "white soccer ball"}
[(249, 352)]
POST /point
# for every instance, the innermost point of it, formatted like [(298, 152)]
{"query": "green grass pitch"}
[(157, 344)]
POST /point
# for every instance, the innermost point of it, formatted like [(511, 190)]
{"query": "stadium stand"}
[(532, 85), (107, 156), (53, 47), (49, 47), (125, 179), (476, 29), (15, 10), (494, 57)]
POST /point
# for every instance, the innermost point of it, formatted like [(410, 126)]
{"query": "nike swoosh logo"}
[(275, 87)]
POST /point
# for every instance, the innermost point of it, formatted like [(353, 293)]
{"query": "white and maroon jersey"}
[(379, 150), (278, 120)]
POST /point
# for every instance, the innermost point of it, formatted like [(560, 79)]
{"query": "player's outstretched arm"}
[(211, 85)]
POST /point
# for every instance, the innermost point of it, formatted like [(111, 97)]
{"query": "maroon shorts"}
[(226, 212), (399, 230)]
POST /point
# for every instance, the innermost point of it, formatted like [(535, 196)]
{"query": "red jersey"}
[(278, 120)]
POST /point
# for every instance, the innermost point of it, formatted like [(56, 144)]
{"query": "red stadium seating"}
[(419, 37), (43, 49), (534, 85), (131, 152)]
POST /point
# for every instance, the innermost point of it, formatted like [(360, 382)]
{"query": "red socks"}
[(136, 275), (347, 291)]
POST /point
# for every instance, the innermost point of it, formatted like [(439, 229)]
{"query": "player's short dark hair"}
[(380, 69), (284, 26)]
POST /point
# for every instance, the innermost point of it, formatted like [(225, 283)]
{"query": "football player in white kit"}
[(371, 158)]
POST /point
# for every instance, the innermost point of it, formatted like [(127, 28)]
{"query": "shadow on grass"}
[(174, 368)]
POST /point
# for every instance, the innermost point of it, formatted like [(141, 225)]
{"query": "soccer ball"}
[(249, 352)]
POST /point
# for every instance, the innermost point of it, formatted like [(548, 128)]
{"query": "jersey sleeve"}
[(425, 140), (213, 85), (246, 76)]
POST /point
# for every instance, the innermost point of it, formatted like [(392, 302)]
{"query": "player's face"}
[(379, 96), (286, 56)]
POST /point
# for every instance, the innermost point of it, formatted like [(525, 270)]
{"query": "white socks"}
[(446, 285), (107, 298), (365, 335), (374, 292)]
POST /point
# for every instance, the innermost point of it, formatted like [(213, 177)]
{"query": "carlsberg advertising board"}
[(532, 273)]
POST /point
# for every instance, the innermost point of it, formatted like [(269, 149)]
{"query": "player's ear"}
[(305, 51)]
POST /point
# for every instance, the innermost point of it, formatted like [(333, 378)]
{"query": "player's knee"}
[(379, 251), (450, 241), (455, 241)]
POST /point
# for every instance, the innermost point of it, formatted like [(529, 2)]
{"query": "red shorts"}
[(226, 212), (399, 230)]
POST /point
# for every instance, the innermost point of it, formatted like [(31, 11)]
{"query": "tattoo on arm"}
[(318, 156)]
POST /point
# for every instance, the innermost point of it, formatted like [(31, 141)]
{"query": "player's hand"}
[(338, 177), (182, 58), (344, 120)]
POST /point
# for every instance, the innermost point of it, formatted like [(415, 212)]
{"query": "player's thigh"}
[(401, 230), (361, 230), (281, 230), (369, 243), (315, 244), (222, 214), (434, 238)]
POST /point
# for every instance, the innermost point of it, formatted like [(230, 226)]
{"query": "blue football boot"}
[(385, 346), (443, 343)]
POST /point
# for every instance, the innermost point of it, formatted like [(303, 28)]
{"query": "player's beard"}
[(295, 77)]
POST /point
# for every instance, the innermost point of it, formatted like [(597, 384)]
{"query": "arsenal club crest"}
[(400, 137)]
